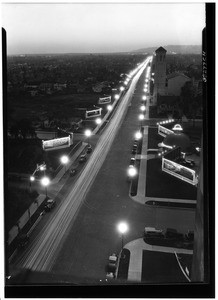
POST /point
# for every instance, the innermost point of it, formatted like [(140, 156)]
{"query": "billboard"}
[(164, 131), (56, 143), (93, 113), (179, 171), (104, 100)]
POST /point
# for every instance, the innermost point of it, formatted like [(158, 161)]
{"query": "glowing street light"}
[(122, 228), (64, 161), (132, 172), (141, 118), (98, 121), (138, 135), (116, 96), (144, 97), (32, 178), (122, 88), (142, 108), (109, 107), (88, 133), (45, 182)]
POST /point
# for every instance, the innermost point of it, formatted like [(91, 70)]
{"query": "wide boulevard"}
[(81, 233)]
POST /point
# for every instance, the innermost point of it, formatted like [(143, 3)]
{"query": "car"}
[(134, 149), (110, 275), (50, 203), (172, 233), (89, 149), (151, 232), (73, 172), (132, 162), (82, 158), (112, 263)]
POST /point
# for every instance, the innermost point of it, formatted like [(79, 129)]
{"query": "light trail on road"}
[(43, 252)]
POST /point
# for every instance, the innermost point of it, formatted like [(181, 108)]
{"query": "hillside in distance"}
[(174, 49)]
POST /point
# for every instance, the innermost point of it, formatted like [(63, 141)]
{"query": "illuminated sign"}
[(104, 100), (164, 131), (179, 171), (56, 143), (93, 113)]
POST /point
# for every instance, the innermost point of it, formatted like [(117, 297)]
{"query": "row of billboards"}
[(97, 112)]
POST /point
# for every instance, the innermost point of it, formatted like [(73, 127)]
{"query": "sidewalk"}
[(136, 249)]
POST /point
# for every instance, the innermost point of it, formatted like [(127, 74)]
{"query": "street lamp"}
[(32, 178), (88, 133), (98, 121), (122, 88), (138, 135), (141, 118), (45, 182), (116, 97), (109, 107), (142, 108), (143, 97), (132, 172), (64, 161), (122, 228)]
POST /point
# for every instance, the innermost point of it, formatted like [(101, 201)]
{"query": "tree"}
[(25, 127)]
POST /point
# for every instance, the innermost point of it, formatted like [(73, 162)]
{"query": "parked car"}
[(83, 158), (50, 203), (134, 148), (132, 162), (151, 232), (172, 233), (112, 263), (73, 172), (89, 149)]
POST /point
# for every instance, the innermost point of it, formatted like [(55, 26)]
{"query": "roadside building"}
[(174, 83)]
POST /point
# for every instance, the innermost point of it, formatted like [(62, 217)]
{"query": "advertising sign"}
[(164, 131), (56, 143), (104, 100), (179, 171), (93, 113)]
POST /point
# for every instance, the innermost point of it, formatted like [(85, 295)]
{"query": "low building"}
[(175, 82)]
